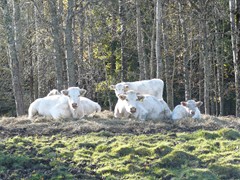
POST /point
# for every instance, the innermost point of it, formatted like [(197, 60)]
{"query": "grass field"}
[(103, 147)]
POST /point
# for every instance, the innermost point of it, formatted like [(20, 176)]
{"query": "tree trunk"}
[(113, 43), (81, 21), (123, 39), (236, 48), (69, 46), (185, 55), (14, 61), (30, 56), (168, 73), (40, 55), (158, 39), (206, 66), (142, 67), (152, 63), (56, 43), (219, 71), (61, 39)]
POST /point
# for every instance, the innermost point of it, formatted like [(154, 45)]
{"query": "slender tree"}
[(158, 38), (123, 39), (13, 57), (185, 52), (142, 67), (40, 55), (57, 43), (69, 45), (235, 36)]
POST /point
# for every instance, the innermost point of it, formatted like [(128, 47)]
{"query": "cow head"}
[(191, 105), (73, 94), (120, 88), (130, 100)]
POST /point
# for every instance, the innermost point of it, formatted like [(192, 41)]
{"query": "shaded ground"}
[(105, 121)]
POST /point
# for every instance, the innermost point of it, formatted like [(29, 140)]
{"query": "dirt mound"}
[(105, 122)]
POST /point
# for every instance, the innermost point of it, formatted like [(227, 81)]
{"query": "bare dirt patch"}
[(104, 121)]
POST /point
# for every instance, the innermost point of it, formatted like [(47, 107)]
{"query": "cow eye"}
[(126, 99)]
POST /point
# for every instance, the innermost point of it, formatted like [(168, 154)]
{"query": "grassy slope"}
[(200, 154)]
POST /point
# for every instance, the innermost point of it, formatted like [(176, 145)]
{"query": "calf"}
[(66, 105), (144, 107), (187, 109), (152, 87), (120, 110)]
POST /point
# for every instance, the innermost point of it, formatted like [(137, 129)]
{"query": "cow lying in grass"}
[(187, 109), (144, 107), (66, 105), (152, 87)]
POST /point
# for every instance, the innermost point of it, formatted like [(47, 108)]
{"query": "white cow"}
[(53, 92), (66, 105), (152, 87), (120, 110), (89, 106), (187, 109), (144, 107)]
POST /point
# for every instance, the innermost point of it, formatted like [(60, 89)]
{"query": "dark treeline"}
[(193, 46)]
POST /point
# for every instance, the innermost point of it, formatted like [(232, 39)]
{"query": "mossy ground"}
[(107, 148)]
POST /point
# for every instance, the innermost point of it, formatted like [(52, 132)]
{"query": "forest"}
[(193, 46)]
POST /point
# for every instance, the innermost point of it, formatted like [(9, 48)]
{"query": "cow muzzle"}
[(74, 105), (192, 112), (133, 109)]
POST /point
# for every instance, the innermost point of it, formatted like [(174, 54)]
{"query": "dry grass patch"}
[(104, 121)]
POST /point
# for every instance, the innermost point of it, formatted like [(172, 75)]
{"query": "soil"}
[(105, 122)]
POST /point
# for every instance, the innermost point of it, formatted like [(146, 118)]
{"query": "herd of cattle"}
[(140, 100)]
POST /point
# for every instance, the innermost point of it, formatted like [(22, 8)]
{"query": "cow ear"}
[(82, 92), (199, 103), (140, 98), (122, 96), (184, 103), (112, 87), (64, 92)]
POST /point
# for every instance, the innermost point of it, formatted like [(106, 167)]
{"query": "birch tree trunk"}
[(142, 67), (158, 39), (123, 39), (13, 58), (185, 54), (69, 45), (152, 63)]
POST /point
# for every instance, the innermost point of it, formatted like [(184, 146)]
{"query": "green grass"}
[(103, 155)]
